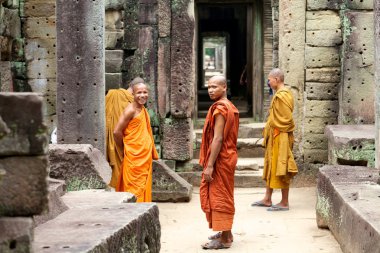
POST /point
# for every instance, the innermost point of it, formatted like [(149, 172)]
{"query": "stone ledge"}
[(347, 198), (102, 228)]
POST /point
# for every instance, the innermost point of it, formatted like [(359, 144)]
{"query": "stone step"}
[(243, 179), (247, 148), (100, 220), (252, 130), (243, 164)]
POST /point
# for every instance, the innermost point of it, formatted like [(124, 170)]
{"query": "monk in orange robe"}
[(116, 101), (134, 133), (279, 163), (218, 157)]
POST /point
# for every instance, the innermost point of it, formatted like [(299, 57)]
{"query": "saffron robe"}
[(279, 163), (139, 150), (116, 101), (217, 197)]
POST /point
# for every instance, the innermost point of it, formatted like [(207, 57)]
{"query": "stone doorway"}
[(229, 41)]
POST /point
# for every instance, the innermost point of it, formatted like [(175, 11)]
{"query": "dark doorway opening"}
[(222, 49)]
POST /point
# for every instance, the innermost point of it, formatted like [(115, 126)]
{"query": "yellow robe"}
[(139, 151), (279, 163), (116, 101)]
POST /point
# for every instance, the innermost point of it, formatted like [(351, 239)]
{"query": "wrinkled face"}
[(140, 93), (216, 90), (273, 82)]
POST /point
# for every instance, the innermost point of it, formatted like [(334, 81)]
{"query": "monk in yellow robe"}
[(218, 157), (116, 101), (134, 133), (279, 163)]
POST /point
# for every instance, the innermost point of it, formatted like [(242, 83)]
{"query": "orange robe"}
[(116, 101), (139, 150), (279, 163), (217, 197)]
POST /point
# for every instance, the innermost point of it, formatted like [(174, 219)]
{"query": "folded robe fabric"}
[(217, 197), (116, 101), (139, 151)]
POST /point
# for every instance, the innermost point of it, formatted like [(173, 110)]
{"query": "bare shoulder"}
[(129, 111)]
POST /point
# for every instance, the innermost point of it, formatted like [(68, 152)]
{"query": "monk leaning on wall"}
[(116, 101), (218, 158), (134, 133), (279, 164)]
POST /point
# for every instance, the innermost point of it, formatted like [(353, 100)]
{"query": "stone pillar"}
[(376, 11), (80, 72), (292, 54)]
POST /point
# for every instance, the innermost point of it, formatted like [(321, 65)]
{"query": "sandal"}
[(260, 203), (216, 244), (217, 236)]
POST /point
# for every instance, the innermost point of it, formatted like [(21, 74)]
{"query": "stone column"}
[(376, 11), (80, 72), (292, 54)]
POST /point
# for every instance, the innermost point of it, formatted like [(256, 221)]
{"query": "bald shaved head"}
[(221, 80), (277, 73)]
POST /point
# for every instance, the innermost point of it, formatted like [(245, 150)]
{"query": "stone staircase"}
[(250, 152)]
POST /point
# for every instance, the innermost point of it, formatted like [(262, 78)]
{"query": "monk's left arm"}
[(216, 145)]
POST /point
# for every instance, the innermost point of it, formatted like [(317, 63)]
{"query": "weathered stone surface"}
[(357, 89), (114, 61), (314, 141), (164, 18), (182, 23), (323, 109), (11, 23), (114, 39), (346, 197), (6, 82), (113, 81), (351, 143), (168, 186), (324, 38), (40, 48), (323, 75), (163, 75), (23, 188), (39, 8), (359, 4), (108, 228), (47, 87), (28, 134), (80, 165), (177, 143), (131, 35), (317, 125), (377, 79), (42, 68), (148, 14), (322, 91), (114, 4), (324, 4), (315, 155), (80, 75), (16, 235), (322, 20), (40, 28), (56, 206), (317, 57), (114, 20)]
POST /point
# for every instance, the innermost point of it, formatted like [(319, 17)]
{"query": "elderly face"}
[(273, 82)]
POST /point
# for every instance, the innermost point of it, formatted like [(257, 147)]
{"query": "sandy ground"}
[(184, 227)]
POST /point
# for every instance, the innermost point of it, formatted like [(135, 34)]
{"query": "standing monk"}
[(279, 164), (133, 131), (218, 157), (116, 101)]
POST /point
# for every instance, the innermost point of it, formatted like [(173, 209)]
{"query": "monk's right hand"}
[(207, 173)]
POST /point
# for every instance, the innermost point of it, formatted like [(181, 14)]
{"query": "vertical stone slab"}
[(376, 11), (164, 18), (131, 31), (182, 59), (6, 83), (80, 77), (357, 87), (16, 234), (292, 53), (163, 84)]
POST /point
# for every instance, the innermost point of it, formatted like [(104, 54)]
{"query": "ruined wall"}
[(12, 57), (377, 80)]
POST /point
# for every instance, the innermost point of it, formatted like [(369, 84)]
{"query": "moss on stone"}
[(364, 151), (323, 207), (78, 184)]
